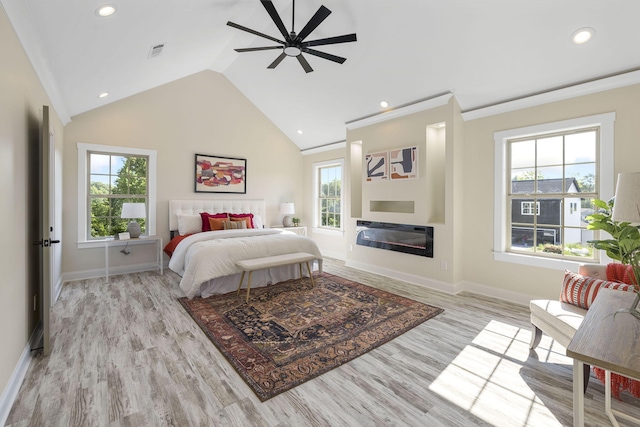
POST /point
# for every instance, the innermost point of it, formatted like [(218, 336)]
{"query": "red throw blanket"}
[(619, 273)]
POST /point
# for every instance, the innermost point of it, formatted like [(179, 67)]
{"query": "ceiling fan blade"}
[(325, 55), (278, 60), (304, 63), (253, 49), (315, 20), (332, 40), (249, 30), (271, 10)]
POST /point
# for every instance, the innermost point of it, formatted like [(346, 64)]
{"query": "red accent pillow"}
[(248, 218), (582, 290), (205, 219), (620, 273), (171, 246)]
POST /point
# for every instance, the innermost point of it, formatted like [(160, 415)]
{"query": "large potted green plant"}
[(624, 246)]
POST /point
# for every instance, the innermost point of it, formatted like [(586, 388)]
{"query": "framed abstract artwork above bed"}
[(215, 174)]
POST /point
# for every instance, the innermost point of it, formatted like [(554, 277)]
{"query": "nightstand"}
[(298, 230), (142, 240)]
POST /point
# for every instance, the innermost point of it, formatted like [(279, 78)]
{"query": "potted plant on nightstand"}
[(296, 221)]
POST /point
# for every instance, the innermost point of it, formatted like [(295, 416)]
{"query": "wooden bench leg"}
[(240, 285), (249, 285), (310, 273)]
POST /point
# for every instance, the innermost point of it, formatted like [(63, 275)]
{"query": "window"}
[(546, 179), (328, 189), (526, 208), (109, 176)]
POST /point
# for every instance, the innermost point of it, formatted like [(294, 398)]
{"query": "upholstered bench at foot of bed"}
[(263, 263)]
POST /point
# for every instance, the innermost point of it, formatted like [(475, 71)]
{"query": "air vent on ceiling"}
[(156, 50)]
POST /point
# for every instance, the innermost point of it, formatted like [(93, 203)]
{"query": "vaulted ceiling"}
[(484, 52)]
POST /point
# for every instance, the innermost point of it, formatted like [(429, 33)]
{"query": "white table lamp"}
[(133, 211), (626, 207), (287, 209)]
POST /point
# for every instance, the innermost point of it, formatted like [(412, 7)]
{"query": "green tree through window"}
[(330, 196), (114, 180)]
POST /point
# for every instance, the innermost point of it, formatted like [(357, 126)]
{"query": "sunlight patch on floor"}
[(485, 379)]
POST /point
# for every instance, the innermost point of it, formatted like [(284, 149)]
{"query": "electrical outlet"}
[(351, 248), (443, 265), (35, 302)]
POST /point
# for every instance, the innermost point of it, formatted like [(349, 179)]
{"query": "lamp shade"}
[(133, 210), (626, 207), (287, 208)]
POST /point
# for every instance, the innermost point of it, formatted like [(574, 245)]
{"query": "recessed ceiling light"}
[(583, 35), (105, 10), (299, 131), (384, 104), (103, 95)]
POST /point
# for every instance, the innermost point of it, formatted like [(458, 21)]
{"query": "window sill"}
[(101, 243), (551, 263)]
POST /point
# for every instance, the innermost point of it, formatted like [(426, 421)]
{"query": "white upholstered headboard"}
[(194, 207)]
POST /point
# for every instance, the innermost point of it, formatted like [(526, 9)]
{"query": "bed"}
[(206, 260)]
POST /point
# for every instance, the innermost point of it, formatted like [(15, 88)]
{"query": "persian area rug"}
[(293, 331)]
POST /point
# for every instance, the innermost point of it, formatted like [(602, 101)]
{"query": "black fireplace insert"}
[(410, 239)]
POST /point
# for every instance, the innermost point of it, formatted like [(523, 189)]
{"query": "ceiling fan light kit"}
[(293, 44)]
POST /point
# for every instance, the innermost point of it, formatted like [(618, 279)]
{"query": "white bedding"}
[(205, 257)]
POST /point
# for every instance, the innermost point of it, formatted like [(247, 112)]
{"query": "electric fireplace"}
[(410, 239)]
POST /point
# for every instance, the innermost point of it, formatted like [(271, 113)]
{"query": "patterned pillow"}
[(248, 217), (582, 290), (234, 225), (216, 224)]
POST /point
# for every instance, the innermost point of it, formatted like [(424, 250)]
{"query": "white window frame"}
[(529, 209), (316, 196), (83, 184), (605, 171)]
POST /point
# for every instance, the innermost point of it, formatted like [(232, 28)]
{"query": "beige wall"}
[(21, 100), (479, 266), (203, 113), (436, 193)]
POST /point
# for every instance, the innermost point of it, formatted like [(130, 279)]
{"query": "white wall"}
[(203, 113)]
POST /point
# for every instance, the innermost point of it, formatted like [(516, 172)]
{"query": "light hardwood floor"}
[(126, 353)]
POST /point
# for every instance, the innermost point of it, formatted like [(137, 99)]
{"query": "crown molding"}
[(323, 148), (400, 111), (612, 82)]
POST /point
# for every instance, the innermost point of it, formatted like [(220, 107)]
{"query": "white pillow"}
[(189, 224)]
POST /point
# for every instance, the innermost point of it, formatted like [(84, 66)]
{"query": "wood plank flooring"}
[(127, 354)]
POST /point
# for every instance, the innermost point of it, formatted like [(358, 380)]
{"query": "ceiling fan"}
[(294, 44)]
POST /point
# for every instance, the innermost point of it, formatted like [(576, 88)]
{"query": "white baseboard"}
[(335, 255), (406, 277), (455, 288), (56, 290), (12, 388), (99, 272)]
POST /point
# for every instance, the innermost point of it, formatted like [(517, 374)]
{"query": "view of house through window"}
[(114, 180), (330, 196), (553, 184)]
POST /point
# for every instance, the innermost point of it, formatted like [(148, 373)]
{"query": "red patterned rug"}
[(292, 331)]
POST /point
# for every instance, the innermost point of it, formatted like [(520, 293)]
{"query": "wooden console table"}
[(612, 344)]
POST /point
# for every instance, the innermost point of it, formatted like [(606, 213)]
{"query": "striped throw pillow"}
[(582, 290)]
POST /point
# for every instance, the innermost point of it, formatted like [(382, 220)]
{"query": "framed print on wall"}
[(403, 163), (216, 174), (376, 166)]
